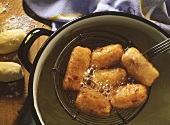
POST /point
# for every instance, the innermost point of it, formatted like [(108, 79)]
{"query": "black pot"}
[(52, 105)]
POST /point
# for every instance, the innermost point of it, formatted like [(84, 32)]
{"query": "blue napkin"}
[(157, 11)]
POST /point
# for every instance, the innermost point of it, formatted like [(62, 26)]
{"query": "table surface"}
[(11, 105)]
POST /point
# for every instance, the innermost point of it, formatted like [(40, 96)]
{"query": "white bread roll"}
[(10, 40), (10, 71)]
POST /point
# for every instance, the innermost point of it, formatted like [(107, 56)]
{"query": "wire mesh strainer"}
[(92, 40)]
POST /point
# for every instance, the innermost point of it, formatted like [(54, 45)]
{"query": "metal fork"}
[(157, 49)]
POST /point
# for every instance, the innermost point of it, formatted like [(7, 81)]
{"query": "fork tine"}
[(158, 49), (161, 47), (158, 52)]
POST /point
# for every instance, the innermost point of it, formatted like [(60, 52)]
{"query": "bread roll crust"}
[(78, 64), (92, 102), (111, 77), (129, 96), (139, 67), (106, 56)]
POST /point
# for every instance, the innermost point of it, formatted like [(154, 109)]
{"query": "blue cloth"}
[(157, 11)]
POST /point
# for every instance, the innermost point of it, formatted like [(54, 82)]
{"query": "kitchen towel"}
[(157, 11)]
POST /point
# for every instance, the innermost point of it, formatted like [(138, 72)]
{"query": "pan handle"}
[(27, 43)]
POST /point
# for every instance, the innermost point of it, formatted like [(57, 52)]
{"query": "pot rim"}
[(111, 13)]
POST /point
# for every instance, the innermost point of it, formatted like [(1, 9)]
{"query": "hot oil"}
[(104, 89)]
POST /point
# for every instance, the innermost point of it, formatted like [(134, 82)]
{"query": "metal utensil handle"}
[(27, 43)]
